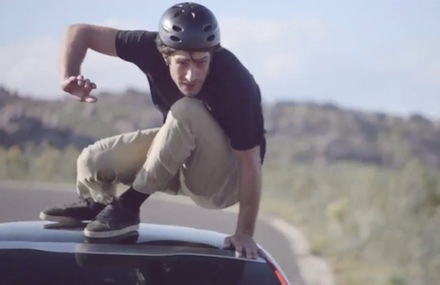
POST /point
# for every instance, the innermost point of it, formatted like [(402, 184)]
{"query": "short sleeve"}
[(137, 47), (245, 123)]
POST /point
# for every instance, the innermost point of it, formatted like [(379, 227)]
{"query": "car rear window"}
[(26, 267)]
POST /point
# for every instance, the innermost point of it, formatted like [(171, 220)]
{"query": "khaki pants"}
[(189, 155)]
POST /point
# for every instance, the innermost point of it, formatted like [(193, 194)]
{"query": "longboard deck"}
[(127, 238), (66, 226)]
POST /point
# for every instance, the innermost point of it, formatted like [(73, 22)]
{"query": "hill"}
[(297, 132)]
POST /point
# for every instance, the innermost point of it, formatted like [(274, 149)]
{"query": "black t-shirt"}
[(230, 92)]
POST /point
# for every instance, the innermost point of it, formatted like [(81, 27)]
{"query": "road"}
[(23, 202)]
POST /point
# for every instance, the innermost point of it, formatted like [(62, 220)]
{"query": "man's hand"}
[(243, 244), (80, 87)]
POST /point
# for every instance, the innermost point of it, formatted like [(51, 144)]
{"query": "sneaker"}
[(83, 210), (113, 221)]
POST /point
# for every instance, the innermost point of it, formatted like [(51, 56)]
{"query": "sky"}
[(369, 55)]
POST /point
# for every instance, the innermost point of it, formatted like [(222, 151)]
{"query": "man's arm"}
[(77, 40), (249, 202)]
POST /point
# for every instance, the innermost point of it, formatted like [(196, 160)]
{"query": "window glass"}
[(26, 267)]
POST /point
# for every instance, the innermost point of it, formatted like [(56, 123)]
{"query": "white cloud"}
[(33, 70), (273, 48), (419, 60), (30, 68)]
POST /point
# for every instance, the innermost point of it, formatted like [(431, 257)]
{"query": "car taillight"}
[(278, 273)]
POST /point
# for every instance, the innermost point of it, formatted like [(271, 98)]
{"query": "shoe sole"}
[(59, 219), (111, 234)]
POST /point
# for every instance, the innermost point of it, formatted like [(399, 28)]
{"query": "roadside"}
[(313, 269)]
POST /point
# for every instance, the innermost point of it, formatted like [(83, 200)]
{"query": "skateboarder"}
[(210, 147)]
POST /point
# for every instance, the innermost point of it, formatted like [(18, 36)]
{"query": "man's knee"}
[(84, 159), (188, 108), (95, 180), (93, 164)]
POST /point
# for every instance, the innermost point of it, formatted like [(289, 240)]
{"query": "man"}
[(210, 147)]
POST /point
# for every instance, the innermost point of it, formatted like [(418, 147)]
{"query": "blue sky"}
[(372, 55)]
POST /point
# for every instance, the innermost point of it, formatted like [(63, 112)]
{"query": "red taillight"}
[(278, 274)]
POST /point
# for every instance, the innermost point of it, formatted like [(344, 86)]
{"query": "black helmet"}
[(189, 26)]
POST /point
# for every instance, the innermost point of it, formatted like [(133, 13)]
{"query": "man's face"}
[(189, 70)]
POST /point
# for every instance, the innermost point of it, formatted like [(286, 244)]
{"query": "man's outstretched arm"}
[(249, 203), (77, 40)]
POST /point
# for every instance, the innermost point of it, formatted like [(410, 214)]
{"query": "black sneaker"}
[(83, 210), (113, 221)]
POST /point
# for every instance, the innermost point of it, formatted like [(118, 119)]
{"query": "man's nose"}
[(190, 74)]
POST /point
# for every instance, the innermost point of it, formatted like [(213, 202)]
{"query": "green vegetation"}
[(373, 225), (38, 163)]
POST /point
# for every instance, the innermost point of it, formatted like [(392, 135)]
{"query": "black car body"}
[(44, 253)]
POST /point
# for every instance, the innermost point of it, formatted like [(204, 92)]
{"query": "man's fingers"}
[(89, 85), (91, 99), (238, 251), (88, 99), (251, 252), (80, 80), (248, 252), (243, 247), (84, 82)]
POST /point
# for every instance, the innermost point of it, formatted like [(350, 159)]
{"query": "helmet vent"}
[(177, 28), (207, 28), (175, 39), (178, 13)]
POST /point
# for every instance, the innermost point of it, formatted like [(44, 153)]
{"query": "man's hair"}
[(167, 51)]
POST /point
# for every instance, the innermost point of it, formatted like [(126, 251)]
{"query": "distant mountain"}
[(326, 133), (296, 132)]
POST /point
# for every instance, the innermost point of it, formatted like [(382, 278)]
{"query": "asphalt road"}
[(20, 202)]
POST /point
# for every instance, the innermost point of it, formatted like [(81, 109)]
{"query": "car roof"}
[(43, 231), (49, 236)]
